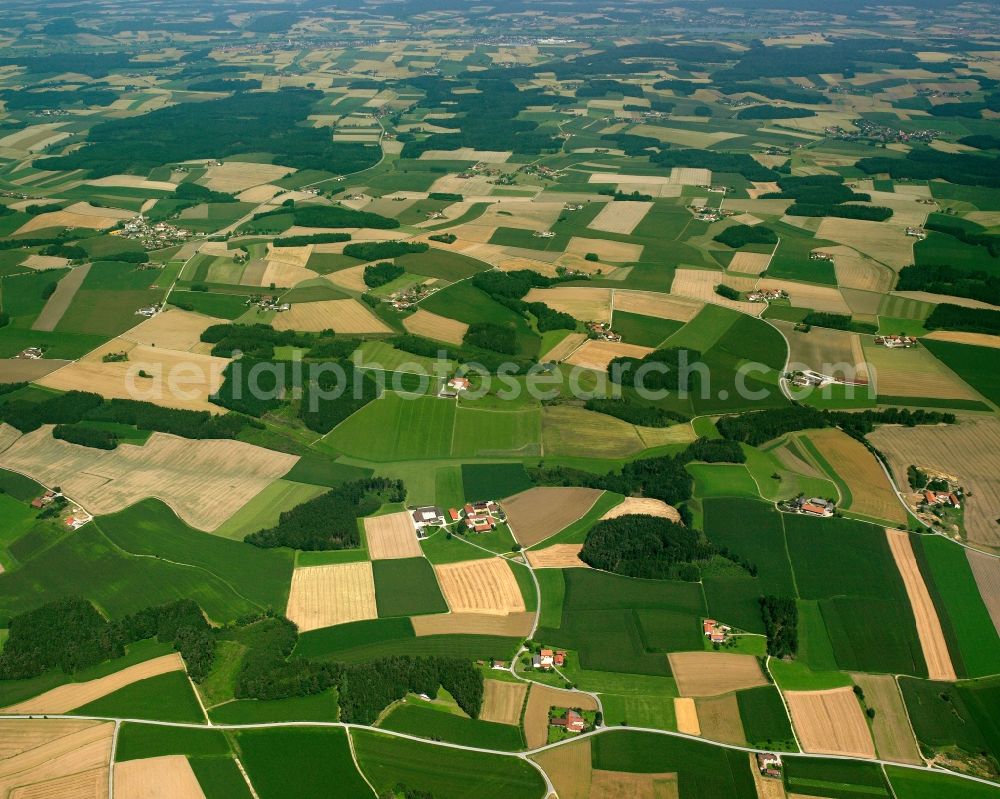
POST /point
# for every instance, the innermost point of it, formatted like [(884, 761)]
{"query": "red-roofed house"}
[(547, 658), (453, 514), (559, 659)]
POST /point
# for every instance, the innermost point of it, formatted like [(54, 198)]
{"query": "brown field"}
[(870, 490), (154, 777), (44, 262), (891, 729), (439, 328), (502, 701), (568, 768), (830, 722), (480, 586), (749, 263), (8, 435), (597, 355), (60, 300), (557, 556), (620, 216), (864, 305), (536, 714), (986, 570), (204, 482), (977, 339), (686, 712), (55, 759), (607, 251), (322, 596), (541, 512), (352, 278), (392, 536), (879, 241), (234, 176), (714, 673), (807, 295), (64, 698), (662, 306), (585, 304), (182, 380), (283, 275), (830, 352), (343, 316), (914, 373), (564, 348), (16, 370), (173, 329), (511, 625), (719, 718), (967, 450), (766, 788), (699, 284), (855, 271), (646, 507), (932, 641), (632, 785)]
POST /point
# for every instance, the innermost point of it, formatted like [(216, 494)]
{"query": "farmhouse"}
[(942, 498), (77, 519), (30, 354), (821, 256), (916, 232), (894, 342), (716, 632), (428, 516), (769, 765), (45, 499), (571, 722), (815, 506), (601, 331), (766, 295), (459, 383)]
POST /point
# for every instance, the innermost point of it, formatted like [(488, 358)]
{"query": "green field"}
[(425, 721), (646, 331), (168, 697), (910, 784), (137, 741), (407, 587), (977, 366), (314, 707), (765, 720), (836, 780)]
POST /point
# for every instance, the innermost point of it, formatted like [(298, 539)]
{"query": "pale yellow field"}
[(432, 326), (204, 482), (568, 768), (855, 271), (293, 256), (585, 304), (352, 279), (883, 242), (557, 556), (502, 701), (766, 787), (166, 777), (608, 251), (284, 275), (56, 758), (133, 182), (82, 215), (173, 329), (540, 512), (645, 507), (830, 722), (342, 316), (480, 586), (914, 373), (890, 728), (807, 295), (713, 673), (986, 570), (259, 194), (929, 631), (836, 353), (564, 348), (512, 625), (392, 536), (234, 176), (596, 354), (467, 154), (64, 698), (686, 712), (977, 339), (620, 216), (536, 714), (870, 490), (322, 596), (662, 306), (749, 263), (699, 284)]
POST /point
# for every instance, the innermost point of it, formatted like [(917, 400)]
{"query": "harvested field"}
[(958, 337), (932, 641), (204, 482), (927, 296), (64, 698), (607, 251), (173, 329), (167, 777), (882, 242), (594, 354), (56, 759), (81, 215), (719, 718), (564, 348), (714, 673), (806, 295), (16, 370), (322, 596), (343, 316), (569, 769), (392, 536), (585, 304), (258, 194), (699, 284), (891, 729), (538, 513), (830, 722), (352, 278), (438, 328), (557, 556), (293, 256), (57, 304), (512, 625), (536, 714), (502, 701), (8, 435), (870, 490), (467, 154), (638, 180), (686, 712), (967, 450), (643, 506), (855, 271), (183, 380), (620, 216), (986, 570), (633, 785), (691, 176), (661, 306), (235, 176), (284, 275), (44, 262), (480, 586), (766, 787), (914, 373), (836, 353), (749, 263)]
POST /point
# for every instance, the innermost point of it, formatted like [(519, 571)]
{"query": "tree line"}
[(781, 618)]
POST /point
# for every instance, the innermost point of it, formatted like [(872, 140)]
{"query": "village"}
[(151, 236)]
